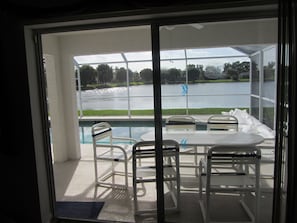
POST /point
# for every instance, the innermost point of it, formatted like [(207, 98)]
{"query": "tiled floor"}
[(74, 181)]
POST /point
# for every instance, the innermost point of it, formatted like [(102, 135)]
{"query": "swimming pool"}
[(131, 129)]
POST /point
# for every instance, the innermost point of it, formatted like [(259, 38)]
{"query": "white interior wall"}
[(70, 107), (133, 39), (221, 34), (55, 102), (107, 41), (62, 106)]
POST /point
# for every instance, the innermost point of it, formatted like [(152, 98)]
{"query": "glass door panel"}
[(99, 76), (212, 69)]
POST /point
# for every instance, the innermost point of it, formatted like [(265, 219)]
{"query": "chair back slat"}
[(180, 122), (222, 123)]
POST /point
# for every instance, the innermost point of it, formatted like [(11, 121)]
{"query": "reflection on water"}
[(206, 95)]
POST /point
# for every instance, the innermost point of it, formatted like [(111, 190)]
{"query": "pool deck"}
[(74, 181)]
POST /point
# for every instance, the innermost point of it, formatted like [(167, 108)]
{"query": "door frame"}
[(211, 13)]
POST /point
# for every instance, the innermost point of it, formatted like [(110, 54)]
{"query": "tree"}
[(87, 75), (244, 67), (135, 76), (146, 75), (234, 74), (194, 72), (227, 66), (121, 74), (212, 72), (163, 75), (236, 67), (201, 72), (105, 73), (173, 75), (269, 71)]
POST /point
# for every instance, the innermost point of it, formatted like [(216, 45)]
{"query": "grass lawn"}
[(194, 111)]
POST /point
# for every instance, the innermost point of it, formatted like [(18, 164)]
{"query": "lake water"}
[(204, 95)]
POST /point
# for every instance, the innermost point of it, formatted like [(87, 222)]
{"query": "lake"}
[(202, 95)]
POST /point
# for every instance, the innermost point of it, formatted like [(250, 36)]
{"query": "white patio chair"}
[(222, 123), (184, 123), (144, 173), (107, 154), (267, 163), (180, 122), (218, 176)]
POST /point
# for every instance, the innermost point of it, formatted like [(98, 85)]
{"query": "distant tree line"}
[(104, 74), (269, 71)]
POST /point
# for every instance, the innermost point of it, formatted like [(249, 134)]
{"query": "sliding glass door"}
[(101, 76), (209, 69), (147, 81)]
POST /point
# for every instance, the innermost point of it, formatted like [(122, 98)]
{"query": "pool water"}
[(130, 129)]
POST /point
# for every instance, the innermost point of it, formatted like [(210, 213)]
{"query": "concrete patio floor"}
[(74, 181)]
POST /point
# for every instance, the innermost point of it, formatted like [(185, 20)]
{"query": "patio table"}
[(208, 138), (205, 139)]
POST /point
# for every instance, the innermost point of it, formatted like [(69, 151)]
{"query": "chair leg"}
[(96, 172), (200, 181), (113, 172), (134, 186), (207, 205), (126, 174), (196, 161), (258, 192)]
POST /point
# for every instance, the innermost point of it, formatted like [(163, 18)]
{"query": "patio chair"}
[(267, 163), (222, 123), (184, 123), (144, 175), (218, 176), (108, 152), (180, 122)]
